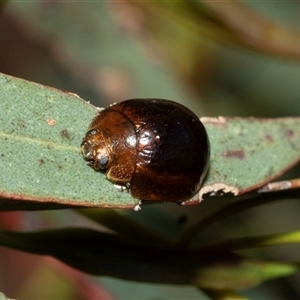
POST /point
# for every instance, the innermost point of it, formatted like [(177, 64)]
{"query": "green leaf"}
[(250, 242), (246, 153), (223, 295), (108, 255), (41, 130)]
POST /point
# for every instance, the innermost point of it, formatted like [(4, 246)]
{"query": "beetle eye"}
[(103, 163), (91, 132)]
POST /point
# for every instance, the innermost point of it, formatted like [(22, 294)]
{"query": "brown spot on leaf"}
[(41, 161), (65, 134), (269, 138), (289, 133), (21, 123), (240, 154)]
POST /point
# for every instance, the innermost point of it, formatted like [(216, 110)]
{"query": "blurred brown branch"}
[(230, 23)]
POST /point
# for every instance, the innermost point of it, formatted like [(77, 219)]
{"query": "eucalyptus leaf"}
[(41, 130), (247, 153)]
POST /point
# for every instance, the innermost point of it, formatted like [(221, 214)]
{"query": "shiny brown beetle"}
[(158, 149)]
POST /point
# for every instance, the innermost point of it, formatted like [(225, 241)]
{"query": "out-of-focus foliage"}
[(224, 58)]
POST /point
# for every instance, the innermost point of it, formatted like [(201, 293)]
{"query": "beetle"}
[(157, 149)]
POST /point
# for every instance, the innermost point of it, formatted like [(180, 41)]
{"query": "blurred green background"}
[(233, 60)]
